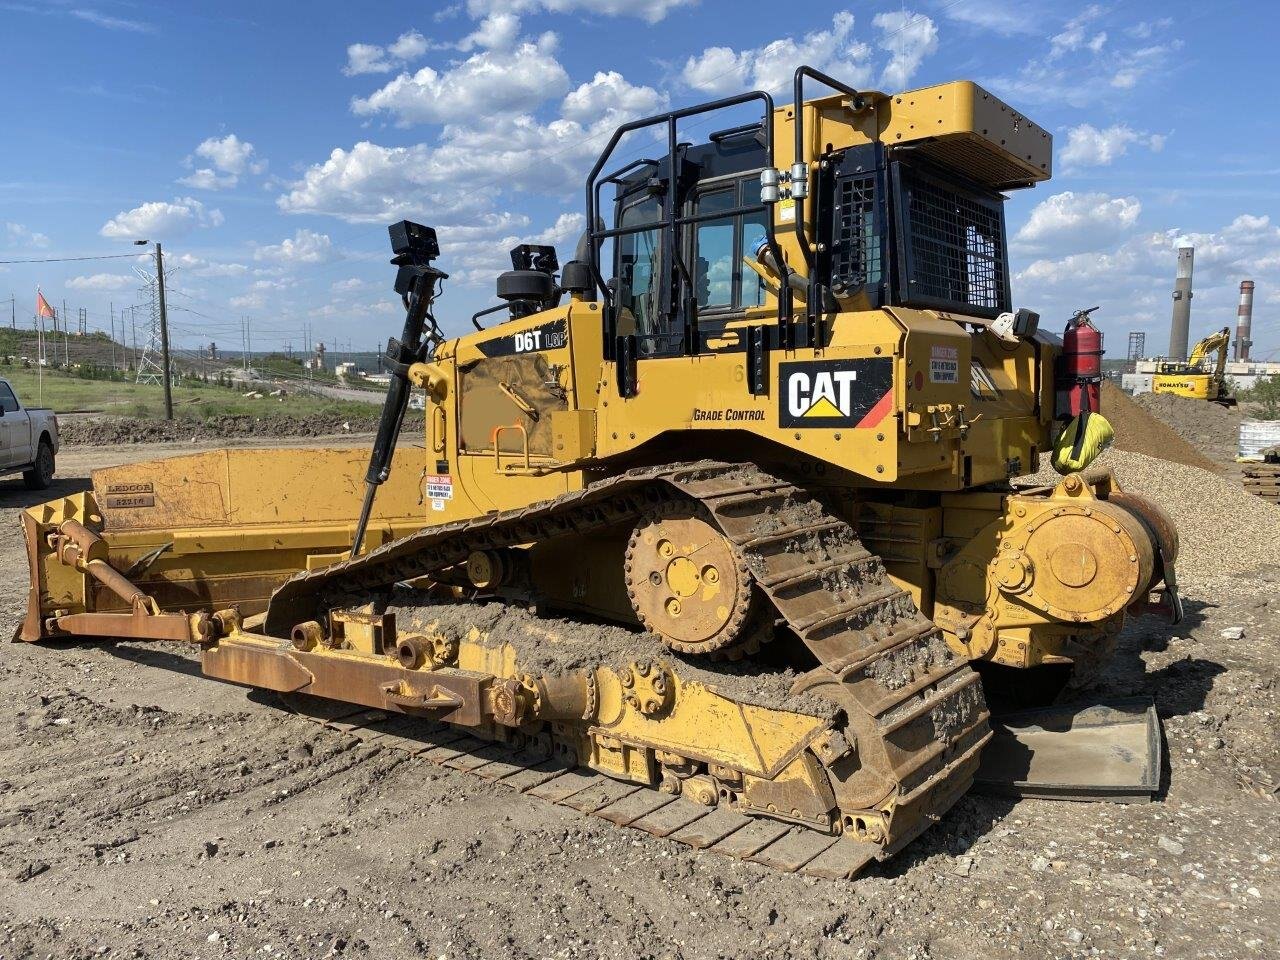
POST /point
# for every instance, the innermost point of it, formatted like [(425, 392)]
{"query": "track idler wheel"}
[(689, 586)]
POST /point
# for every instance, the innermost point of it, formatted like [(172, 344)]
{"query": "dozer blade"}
[(1106, 751)]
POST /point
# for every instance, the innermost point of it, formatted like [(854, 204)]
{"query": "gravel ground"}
[(147, 812)]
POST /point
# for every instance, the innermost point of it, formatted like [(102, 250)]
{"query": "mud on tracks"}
[(555, 646)]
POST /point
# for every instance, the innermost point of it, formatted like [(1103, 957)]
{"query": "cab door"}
[(15, 432)]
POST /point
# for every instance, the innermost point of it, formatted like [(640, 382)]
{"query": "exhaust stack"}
[(1181, 305), (1244, 321)]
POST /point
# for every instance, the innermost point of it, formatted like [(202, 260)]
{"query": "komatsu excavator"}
[(717, 531), (1194, 378)]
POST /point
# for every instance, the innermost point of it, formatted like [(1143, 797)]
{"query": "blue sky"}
[(269, 144)]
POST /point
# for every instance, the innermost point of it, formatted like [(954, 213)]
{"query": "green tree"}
[(1266, 395)]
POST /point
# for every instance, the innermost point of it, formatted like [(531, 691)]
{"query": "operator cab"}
[(718, 190), (907, 210)]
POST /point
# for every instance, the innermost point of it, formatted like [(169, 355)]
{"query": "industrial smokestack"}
[(1181, 305), (1244, 321)]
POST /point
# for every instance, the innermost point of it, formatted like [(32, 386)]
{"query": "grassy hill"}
[(67, 393)]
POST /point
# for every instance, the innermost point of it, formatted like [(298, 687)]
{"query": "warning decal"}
[(438, 488), (944, 365)]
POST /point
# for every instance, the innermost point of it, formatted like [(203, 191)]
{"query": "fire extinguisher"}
[(1080, 367), (1079, 378)]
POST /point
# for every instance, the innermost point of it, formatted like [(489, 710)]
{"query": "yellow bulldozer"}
[(1194, 378), (717, 532)]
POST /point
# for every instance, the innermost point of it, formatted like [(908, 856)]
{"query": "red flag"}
[(42, 306)]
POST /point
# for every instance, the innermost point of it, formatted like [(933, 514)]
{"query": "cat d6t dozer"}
[(710, 532)]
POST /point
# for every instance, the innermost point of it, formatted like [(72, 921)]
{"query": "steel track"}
[(915, 709)]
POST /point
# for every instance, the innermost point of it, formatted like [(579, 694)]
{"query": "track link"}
[(916, 711)]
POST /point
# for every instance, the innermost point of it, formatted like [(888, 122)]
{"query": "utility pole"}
[(113, 335), (164, 336)]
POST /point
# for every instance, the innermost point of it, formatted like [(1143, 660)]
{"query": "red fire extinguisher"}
[(1080, 372)]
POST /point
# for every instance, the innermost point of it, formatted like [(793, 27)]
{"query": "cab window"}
[(8, 402), (639, 262), (722, 282)]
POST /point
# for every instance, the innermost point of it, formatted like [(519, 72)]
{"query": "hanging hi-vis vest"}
[(1086, 436)]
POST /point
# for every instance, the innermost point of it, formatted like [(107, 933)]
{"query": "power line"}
[(104, 256)]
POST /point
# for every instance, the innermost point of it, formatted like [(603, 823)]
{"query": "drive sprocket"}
[(688, 585)]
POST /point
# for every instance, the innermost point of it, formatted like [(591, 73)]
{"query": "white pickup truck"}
[(28, 439)]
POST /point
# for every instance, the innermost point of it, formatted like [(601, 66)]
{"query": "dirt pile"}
[(112, 431), (1211, 428), (1139, 431)]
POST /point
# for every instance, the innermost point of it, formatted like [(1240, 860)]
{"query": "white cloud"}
[(347, 286), (486, 84), (408, 46), (230, 154), (103, 281), (1085, 63), (230, 158), (373, 58), (17, 235), (208, 179), (306, 246), (720, 70), (651, 11), (1131, 275), (1075, 34), (1067, 216), (366, 58), (498, 31), (160, 220), (1004, 17), (1087, 146), (109, 22), (200, 267), (909, 38), (374, 183), (1145, 29), (610, 95)]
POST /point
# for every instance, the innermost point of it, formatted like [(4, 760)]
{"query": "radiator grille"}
[(956, 246)]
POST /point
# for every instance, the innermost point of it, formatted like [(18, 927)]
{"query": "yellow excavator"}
[(717, 533), (1193, 378)]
